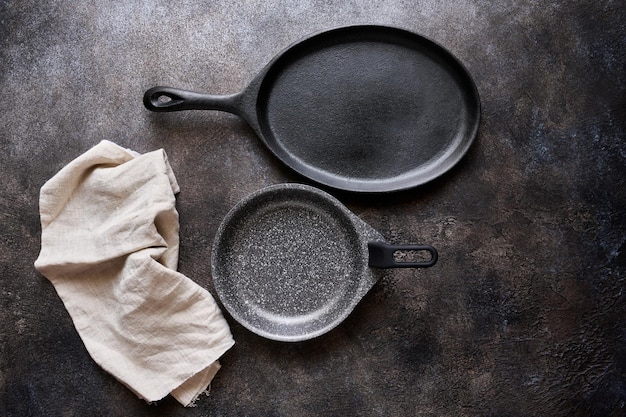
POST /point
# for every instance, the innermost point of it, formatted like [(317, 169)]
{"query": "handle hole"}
[(411, 256), (163, 99)]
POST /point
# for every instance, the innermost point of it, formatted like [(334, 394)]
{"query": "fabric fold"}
[(110, 242)]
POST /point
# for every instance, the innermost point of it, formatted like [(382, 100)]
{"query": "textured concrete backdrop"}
[(524, 315)]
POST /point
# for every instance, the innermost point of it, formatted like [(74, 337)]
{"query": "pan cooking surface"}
[(368, 108), (287, 263)]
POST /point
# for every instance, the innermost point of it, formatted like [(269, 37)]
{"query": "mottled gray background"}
[(524, 315)]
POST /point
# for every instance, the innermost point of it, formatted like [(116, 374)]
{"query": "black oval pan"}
[(358, 108), (290, 262)]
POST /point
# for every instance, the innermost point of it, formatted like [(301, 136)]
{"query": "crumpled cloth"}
[(109, 245)]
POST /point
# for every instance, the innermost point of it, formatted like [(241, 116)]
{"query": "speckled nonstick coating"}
[(290, 262)]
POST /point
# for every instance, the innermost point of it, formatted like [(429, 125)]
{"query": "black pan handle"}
[(166, 99), (381, 255)]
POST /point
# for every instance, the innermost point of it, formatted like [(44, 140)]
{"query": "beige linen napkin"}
[(109, 246)]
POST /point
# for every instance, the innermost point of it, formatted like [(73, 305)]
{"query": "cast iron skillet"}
[(358, 108), (290, 262)]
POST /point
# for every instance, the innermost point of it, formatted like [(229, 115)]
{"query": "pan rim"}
[(411, 178)]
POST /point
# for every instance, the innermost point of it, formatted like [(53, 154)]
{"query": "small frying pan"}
[(290, 262), (358, 108)]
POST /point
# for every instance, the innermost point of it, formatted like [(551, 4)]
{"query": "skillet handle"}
[(381, 255), (168, 99)]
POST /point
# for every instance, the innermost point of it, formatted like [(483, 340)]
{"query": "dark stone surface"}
[(524, 313)]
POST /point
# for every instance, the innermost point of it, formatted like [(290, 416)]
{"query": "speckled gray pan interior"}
[(290, 262)]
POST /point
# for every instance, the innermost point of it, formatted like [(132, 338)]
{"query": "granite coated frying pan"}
[(290, 262), (358, 108)]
